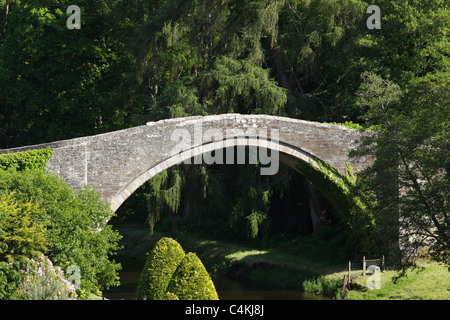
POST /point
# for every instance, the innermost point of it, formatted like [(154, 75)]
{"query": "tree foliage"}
[(56, 83), (77, 232), (409, 174), (32, 159), (137, 61), (22, 229)]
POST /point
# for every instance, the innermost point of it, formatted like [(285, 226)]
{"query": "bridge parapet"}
[(117, 163)]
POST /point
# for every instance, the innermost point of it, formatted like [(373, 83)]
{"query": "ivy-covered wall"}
[(352, 207), (33, 159)]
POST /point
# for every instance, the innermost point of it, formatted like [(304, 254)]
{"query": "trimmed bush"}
[(170, 296), (191, 281), (161, 263)]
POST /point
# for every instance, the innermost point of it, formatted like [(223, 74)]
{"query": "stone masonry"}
[(117, 163)]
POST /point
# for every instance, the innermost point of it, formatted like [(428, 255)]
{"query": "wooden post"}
[(349, 270), (364, 266), (344, 283), (383, 267)]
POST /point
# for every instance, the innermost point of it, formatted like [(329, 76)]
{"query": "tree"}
[(49, 74), (164, 196), (411, 149), (76, 222)]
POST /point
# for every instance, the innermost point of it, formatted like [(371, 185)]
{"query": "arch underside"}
[(288, 155)]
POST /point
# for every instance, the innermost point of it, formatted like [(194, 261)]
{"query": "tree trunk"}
[(281, 74), (6, 17), (175, 224), (318, 215)]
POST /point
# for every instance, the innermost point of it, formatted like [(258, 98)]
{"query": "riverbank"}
[(276, 269), (294, 272), (271, 266), (430, 281)]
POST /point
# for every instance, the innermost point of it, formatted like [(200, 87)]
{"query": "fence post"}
[(364, 265), (349, 270), (383, 267)]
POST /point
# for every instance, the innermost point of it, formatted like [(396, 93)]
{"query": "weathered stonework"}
[(117, 163)]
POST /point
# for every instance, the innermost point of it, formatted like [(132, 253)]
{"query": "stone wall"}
[(117, 163)]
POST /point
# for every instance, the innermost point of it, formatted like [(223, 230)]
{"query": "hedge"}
[(161, 263), (33, 159), (191, 281), (171, 274)]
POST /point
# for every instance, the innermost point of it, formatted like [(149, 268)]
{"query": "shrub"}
[(10, 280), (45, 282), (161, 263), (33, 159), (327, 286), (170, 296), (191, 281), (77, 229), (21, 231)]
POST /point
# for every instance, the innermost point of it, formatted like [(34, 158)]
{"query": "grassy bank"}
[(278, 268), (431, 281), (294, 271)]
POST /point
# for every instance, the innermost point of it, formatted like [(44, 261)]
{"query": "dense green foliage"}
[(191, 281), (76, 230), (57, 83), (171, 274), (352, 207), (159, 268), (22, 231), (33, 159), (11, 280), (137, 61), (411, 151)]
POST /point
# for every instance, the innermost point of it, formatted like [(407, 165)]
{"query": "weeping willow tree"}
[(220, 56), (164, 196), (202, 58), (250, 211)]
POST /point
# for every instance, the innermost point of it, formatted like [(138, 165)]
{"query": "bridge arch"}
[(287, 154), (115, 164)]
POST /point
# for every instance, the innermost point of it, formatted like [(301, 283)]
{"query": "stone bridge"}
[(117, 163)]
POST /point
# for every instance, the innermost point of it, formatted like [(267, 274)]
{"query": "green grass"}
[(277, 267), (430, 282)]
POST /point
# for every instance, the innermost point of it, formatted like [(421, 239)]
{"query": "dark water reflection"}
[(227, 289)]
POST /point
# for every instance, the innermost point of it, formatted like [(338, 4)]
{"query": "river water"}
[(227, 289)]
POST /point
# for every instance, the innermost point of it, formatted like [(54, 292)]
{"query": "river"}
[(227, 288)]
